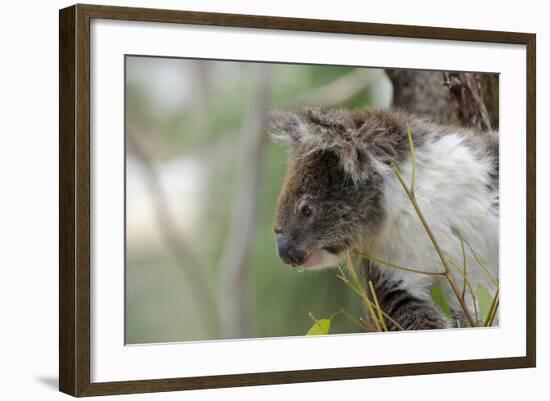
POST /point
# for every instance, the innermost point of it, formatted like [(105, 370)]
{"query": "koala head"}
[(331, 197)]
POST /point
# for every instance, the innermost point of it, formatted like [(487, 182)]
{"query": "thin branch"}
[(412, 198), (485, 268), (186, 261), (367, 301), (357, 287), (494, 313), (360, 291), (392, 321), (394, 266), (482, 264), (358, 323), (375, 299), (413, 158), (468, 285), (316, 321), (242, 227), (492, 310), (464, 263)]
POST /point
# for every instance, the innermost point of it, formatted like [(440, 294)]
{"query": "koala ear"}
[(286, 127), (384, 139), (335, 131), (315, 129)]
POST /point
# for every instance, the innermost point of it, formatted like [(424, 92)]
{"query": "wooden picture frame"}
[(75, 207)]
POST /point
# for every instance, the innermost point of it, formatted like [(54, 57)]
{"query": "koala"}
[(340, 195)]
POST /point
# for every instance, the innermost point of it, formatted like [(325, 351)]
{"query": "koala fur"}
[(340, 194)]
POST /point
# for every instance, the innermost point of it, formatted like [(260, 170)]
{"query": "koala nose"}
[(288, 253)]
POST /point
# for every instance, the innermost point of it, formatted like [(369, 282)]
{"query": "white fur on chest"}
[(452, 190)]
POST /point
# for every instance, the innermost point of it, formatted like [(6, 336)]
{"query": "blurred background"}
[(202, 180)]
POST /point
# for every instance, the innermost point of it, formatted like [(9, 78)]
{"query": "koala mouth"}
[(313, 259), (321, 258)]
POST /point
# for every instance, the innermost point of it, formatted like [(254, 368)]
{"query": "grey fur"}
[(331, 169)]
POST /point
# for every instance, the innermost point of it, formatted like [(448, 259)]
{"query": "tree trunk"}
[(423, 93), (451, 98), (490, 87), (466, 89)]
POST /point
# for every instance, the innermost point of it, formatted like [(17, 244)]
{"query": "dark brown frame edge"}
[(74, 199)]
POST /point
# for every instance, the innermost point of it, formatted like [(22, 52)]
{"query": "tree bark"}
[(423, 93), (466, 89), (490, 88), (450, 98)]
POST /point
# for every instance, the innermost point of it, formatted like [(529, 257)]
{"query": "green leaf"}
[(439, 299), (321, 326), (484, 300)]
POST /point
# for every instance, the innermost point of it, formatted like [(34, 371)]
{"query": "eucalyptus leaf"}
[(484, 300), (320, 327), (439, 299)]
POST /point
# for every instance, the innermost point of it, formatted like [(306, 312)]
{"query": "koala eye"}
[(306, 211)]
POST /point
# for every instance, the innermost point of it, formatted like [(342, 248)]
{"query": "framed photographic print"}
[(251, 200)]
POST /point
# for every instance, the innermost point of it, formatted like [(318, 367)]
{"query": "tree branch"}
[(187, 262), (234, 261)]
